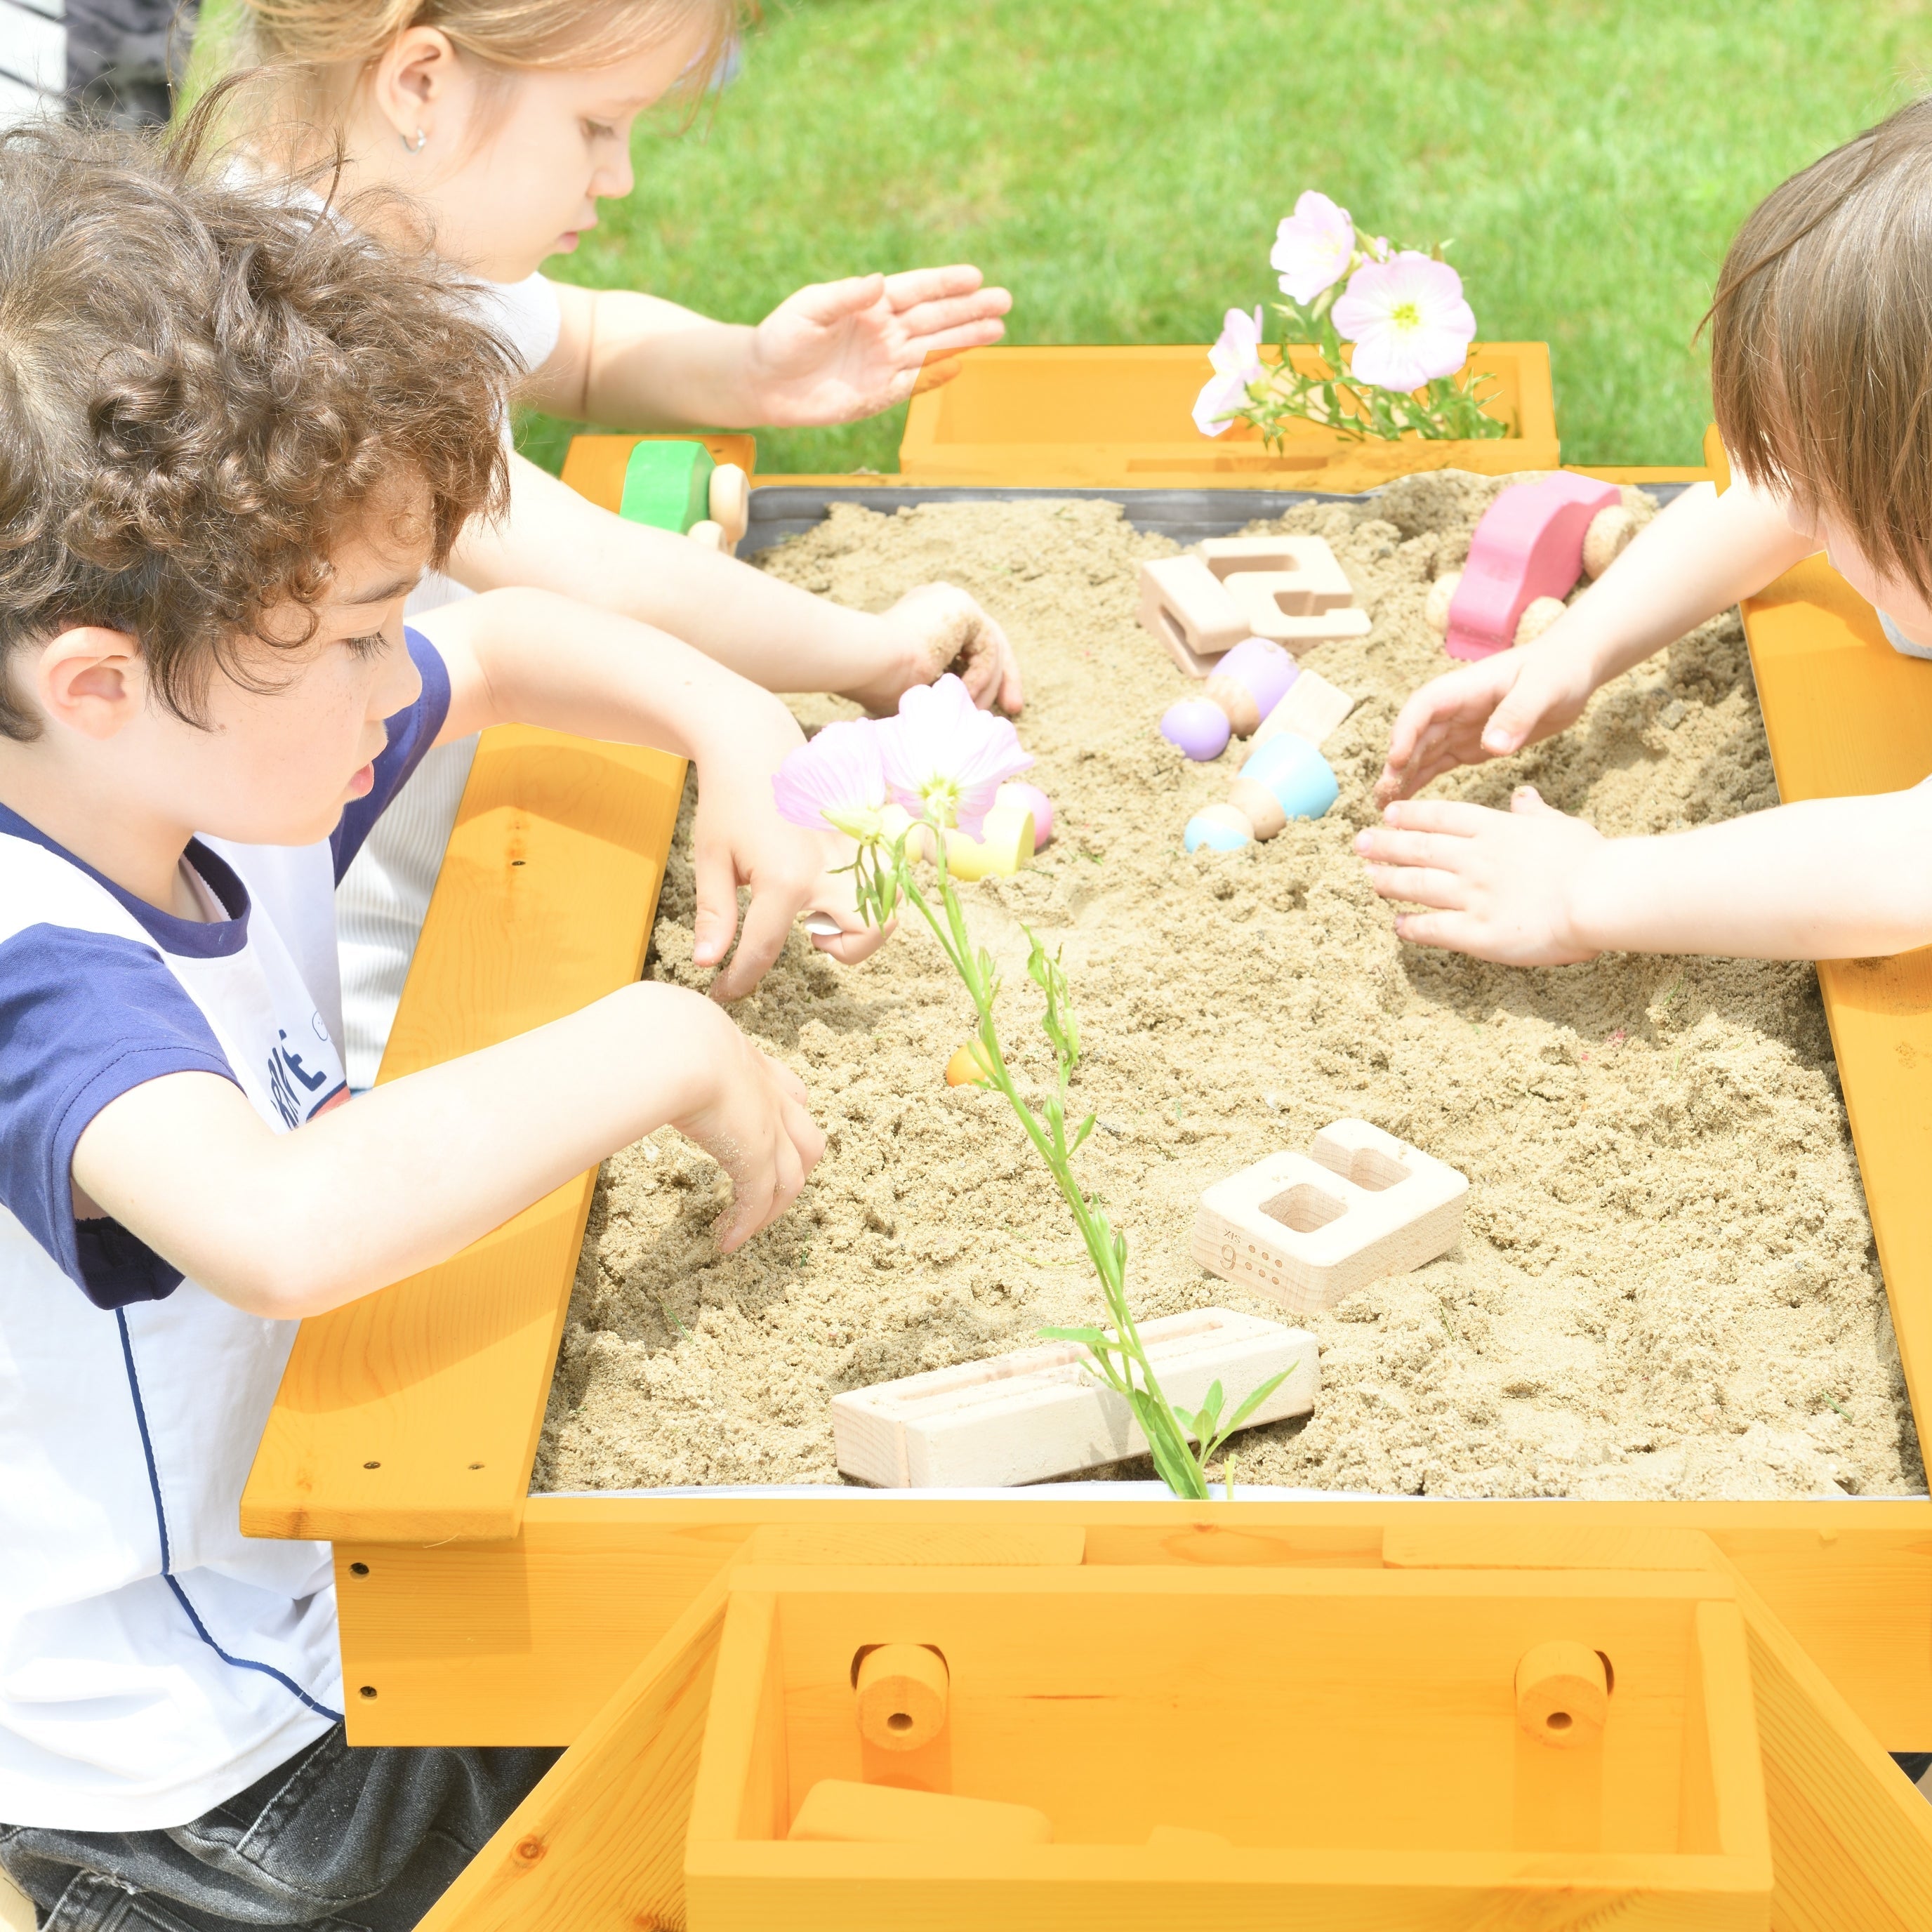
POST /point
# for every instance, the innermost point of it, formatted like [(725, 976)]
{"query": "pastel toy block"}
[(1306, 1229), (837, 1811), (1197, 727), (1265, 600), (1249, 681), (1221, 828), (1040, 1412), (1529, 545), (1313, 709), (668, 484), (1186, 606), (1294, 775), (1005, 843), (1030, 798), (1320, 582)]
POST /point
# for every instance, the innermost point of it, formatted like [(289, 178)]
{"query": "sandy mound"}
[(1667, 1286)]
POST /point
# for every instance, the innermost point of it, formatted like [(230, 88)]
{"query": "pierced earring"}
[(416, 146)]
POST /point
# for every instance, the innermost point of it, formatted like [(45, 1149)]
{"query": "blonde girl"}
[(507, 122)]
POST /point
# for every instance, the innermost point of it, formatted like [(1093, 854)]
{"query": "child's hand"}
[(1486, 710), (753, 1124), (1500, 885), (937, 628), (837, 351)]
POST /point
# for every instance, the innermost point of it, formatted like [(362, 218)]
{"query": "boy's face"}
[(530, 158), (1897, 598), (277, 767)]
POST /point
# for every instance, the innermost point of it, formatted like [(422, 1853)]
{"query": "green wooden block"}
[(668, 484)]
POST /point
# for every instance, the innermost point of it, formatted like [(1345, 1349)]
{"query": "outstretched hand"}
[(1500, 885), (834, 351)]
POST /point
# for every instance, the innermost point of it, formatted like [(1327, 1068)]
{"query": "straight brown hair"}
[(1821, 362)]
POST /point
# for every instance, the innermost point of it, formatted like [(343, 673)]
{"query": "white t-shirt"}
[(153, 1660), (380, 906)]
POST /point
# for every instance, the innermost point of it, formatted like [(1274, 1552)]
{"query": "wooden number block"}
[(1183, 603), (1306, 1229), (1039, 1413), (1529, 545), (1311, 710), (1266, 600), (1320, 584)]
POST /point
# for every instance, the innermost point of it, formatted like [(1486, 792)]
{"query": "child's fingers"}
[(850, 948), (829, 302), (908, 287), (1454, 931), (955, 341), (1446, 815), (1388, 845), (804, 1133), (715, 877), (1421, 885)]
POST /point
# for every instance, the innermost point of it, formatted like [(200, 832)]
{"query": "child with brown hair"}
[(508, 121), (232, 435), (1821, 378)]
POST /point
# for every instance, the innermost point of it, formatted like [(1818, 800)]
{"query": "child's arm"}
[(295, 1224), (831, 353), (1700, 557), (1833, 878), (528, 657), (766, 630)]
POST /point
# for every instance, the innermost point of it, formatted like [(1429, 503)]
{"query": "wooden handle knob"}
[(902, 1697), (1562, 1694)]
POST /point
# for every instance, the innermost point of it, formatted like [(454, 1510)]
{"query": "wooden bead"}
[(1604, 542), (1259, 806), (730, 502), (1234, 697), (1435, 609), (710, 534), (902, 1695), (1538, 617), (1562, 1695)]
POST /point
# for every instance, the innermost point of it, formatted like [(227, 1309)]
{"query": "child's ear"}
[(91, 680), (412, 80)]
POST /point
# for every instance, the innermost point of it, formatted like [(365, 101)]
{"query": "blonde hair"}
[(308, 49)]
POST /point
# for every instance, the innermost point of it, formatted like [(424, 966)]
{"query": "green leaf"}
[(1094, 1338), (1260, 1395), (1085, 1128)]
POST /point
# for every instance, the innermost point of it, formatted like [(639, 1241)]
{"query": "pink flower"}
[(1408, 320), (943, 753), (1313, 247), (1236, 362), (835, 780)]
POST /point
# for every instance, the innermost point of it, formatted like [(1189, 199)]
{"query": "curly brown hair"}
[(205, 385)]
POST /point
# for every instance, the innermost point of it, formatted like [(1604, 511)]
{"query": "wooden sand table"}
[(1666, 1287)]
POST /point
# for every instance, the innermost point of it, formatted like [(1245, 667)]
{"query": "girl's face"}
[(514, 161), (1897, 598)]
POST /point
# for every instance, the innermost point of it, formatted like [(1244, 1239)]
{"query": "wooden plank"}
[(412, 1414), (1846, 715), (599, 1846)]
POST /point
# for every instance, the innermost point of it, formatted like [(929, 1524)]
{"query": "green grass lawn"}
[(1121, 164)]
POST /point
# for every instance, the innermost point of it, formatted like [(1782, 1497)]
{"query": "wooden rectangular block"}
[(1320, 582), (1183, 603), (1306, 1229), (1266, 600), (1313, 709), (1039, 1413)]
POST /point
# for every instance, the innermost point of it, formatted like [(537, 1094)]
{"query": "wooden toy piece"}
[(710, 534), (1221, 828), (728, 498), (1184, 605), (1249, 681), (1435, 605), (1039, 1412), (1607, 537), (1313, 709), (901, 1691), (668, 484), (1320, 582), (1197, 727), (1306, 1229), (1287, 777), (1563, 1695), (1005, 843), (837, 1811), (1030, 798), (1529, 545), (1265, 598), (1537, 616)]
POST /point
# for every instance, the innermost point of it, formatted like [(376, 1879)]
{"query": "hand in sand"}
[(937, 628), (1500, 885), (1483, 710), (837, 351)]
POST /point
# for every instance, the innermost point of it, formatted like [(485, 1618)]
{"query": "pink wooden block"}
[(1529, 545)]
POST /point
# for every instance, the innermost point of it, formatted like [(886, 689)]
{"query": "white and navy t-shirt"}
[(153, 1661)]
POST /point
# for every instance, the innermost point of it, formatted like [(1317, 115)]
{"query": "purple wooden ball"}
[(1197, 727), (1265, 668)]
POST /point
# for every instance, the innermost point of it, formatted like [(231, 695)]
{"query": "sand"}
[(1666, 1287)]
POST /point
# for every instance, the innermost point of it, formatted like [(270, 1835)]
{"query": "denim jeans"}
[(344, 1841)]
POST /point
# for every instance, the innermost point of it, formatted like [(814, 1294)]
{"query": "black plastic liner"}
[(779, 510)]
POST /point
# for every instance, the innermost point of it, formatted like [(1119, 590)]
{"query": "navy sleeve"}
[(85, 1017), (411, 733)]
